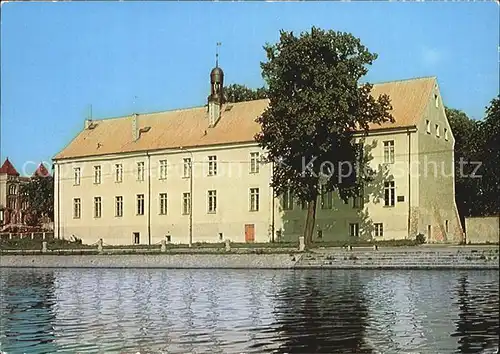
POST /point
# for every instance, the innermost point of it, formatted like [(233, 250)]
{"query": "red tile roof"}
[(8, 168), (41, 171)]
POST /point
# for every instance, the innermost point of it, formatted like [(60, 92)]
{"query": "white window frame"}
[(77, 208), (212, 165), (186, 203), (389, 193), (118, 173), (212, 201), (140, 204), (378, 229), (77, 173), (163, 198), (254, 162), (254, 199), (354, 229), (389, 151), (140, 171), (97, 174), (186, 167), (163, 169), (118, 206), (97, 207)]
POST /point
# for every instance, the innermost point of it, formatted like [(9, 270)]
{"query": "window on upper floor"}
[(428, 126), (140, 171), (254, 199), (163, 169), (97, 207), (389, 193), (438, 134), (254, 162), (389, 151), (140, 204), (119, 206), (446, 134), (76, 176), (186, 203), (118, 173), (163, 203), (186, 167), (436, 100), (12, 189), (97, 174), (212, 165), (77, 208), (212, 202)]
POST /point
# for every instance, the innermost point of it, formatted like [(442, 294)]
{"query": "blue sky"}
[(125, 57)]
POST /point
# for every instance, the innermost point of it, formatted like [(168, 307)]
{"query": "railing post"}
[(44, 247), (228, 245), (163, 246), (302, 244), (99, 245), (43, 236)]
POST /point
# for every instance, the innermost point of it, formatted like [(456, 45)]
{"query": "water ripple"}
[(229, 311)]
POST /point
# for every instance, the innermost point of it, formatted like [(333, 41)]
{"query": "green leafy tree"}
[(316, 102), (490, 157), (239, 93), (467, 147), (39, 195)]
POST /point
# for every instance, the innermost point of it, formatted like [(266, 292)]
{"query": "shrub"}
[(420, 239)]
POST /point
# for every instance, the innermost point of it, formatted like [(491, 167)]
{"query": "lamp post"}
[(190, 195)]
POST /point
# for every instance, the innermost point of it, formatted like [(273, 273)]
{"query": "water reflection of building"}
[(27, 313), (321, 313), (477, 326)]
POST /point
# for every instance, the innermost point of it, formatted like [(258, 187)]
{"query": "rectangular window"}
[(437, 131), (428, 126), (436, 100), (212, 201), (163, 203), (137, 238), (77, 208), (447, 226), (97, 174), (389, 151), (163, 169), (119, 206), (140, 171), (97, 207), (186, 203), (288, 200), (254, 162), (254, 199), (118, 173), (212, 165), (358, 202), (446, 134), (187, 167), (354, 230), (327, 200), (389, 193), (378, 229), (140, 204), (77, 175)]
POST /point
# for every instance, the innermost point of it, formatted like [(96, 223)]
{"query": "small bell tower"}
[(216, 97)]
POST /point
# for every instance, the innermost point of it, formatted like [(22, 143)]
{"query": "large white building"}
[(195, 175)]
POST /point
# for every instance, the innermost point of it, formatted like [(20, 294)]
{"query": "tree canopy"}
[(239, 93), (316, 103), (39, 194)]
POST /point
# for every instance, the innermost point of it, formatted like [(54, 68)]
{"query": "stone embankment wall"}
[(405, 258), (483, 229), (396, 258)]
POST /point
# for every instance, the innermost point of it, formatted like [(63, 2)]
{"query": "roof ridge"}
[(401, 80)]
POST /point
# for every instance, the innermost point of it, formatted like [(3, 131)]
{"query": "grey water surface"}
[(248, 311)]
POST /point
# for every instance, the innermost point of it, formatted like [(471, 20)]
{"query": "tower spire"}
[(218, 44)]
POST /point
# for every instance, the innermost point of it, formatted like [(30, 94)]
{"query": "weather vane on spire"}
[(217, 54)]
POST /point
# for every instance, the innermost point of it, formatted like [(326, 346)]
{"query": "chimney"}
[(88, 122), (135, 127)]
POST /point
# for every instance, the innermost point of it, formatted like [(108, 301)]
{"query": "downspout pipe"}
[(149, 197), (58, 202), (409, 183), (272, 205)]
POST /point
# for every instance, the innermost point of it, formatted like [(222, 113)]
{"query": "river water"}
[(248, 311)]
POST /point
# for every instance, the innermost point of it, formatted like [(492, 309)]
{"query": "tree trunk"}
[(310, 221)]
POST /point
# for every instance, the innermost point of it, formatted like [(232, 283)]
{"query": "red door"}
[(249, 233)]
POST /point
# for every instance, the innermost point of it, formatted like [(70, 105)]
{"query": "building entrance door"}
[(249, 233)]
